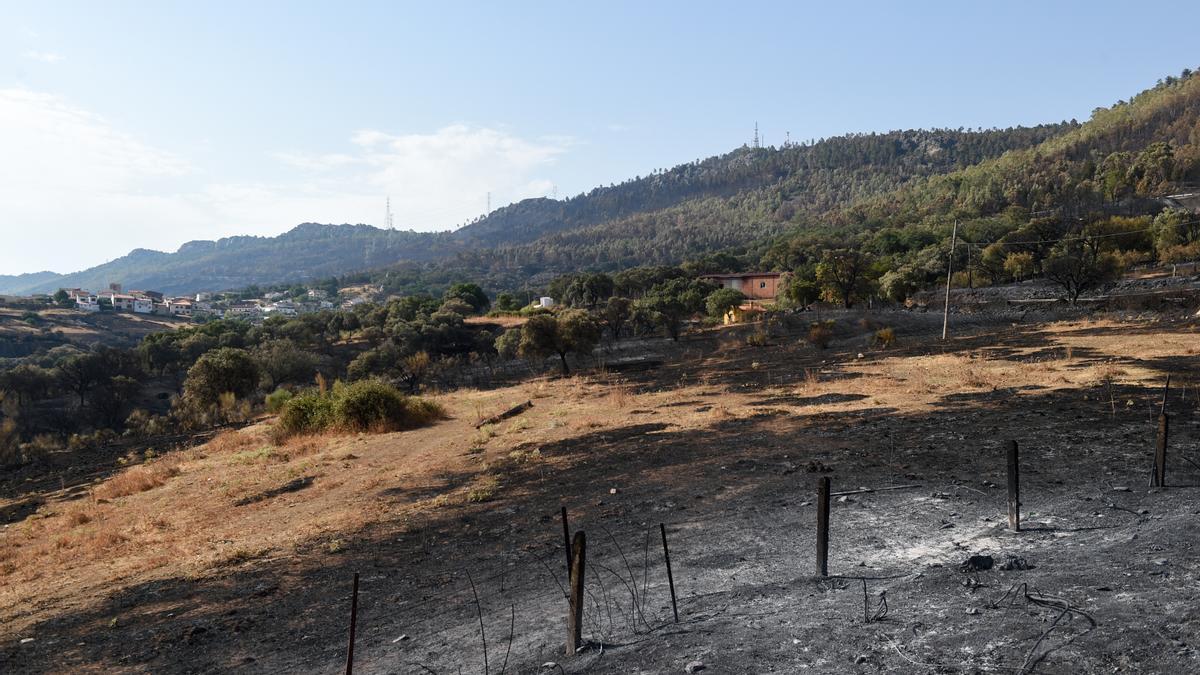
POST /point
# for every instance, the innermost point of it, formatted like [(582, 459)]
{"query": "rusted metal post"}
[(566, 540), (670, 577), (1160, 452), (353, 625), (575, 614), (1014, 488), (823, 526)]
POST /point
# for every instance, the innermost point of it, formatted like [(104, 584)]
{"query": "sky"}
[(146, 125)]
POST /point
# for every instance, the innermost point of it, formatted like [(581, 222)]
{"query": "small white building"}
[(545, 301), (143, 305), (88, 303)]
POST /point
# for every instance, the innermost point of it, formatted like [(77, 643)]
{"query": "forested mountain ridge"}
[(657, 218)]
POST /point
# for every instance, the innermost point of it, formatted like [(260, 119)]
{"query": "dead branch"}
[(865, 490), (511, 412)]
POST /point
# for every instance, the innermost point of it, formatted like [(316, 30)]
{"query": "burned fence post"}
[(1160, 452), (566, 541), (1014, 487), (670, 576), (353, 625), (575, 614), (823, 526)]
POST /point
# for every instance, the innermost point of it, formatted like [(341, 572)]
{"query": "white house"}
[(88, 303), (143, 305), (546, 301)]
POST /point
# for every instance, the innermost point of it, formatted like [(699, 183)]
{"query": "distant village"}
[(207, 305)]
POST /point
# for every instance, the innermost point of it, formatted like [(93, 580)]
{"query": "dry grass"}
[(138, 479)]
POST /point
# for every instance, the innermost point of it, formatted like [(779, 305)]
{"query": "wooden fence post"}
[(1160, 452), (353, 625), (823, 526), (670, 577), (575, 615), (1014, 488)]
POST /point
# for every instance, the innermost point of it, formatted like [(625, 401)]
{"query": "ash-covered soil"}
[(725, 447)]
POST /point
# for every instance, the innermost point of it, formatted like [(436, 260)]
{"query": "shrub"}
[(820, 334), (758, 339), (884, 337), (368, 405), (307, 413), (277, 399)]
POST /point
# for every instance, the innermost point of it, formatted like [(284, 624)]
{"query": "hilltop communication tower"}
[(388, 223), (756, 143)]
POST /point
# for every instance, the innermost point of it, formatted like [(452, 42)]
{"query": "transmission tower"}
[(388, 222), (756, 143)]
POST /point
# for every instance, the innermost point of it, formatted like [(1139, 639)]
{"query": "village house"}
[(754, 285), (87, 302), (179, 306), (243, 308)]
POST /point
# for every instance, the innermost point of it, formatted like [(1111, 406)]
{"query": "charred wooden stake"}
[(1166, 390), (670, 577), (1014, 488), (567, 541), (823, 526), (1160, 453), (575, 614), (353, 624)]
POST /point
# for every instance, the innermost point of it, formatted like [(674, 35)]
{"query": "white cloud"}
[(44, 57), (76, 191)]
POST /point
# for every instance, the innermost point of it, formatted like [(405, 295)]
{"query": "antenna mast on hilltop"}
[(756, 144), (489, 204), (388, 222)]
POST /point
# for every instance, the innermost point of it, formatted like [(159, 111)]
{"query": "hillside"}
[(606, 225)]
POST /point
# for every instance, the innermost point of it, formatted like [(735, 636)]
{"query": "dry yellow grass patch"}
[(137, 479)]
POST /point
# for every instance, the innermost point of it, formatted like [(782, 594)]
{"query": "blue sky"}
[(136, 124)]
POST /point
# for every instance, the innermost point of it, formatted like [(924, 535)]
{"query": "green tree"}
[(720, 301), (220, 371), (1078, 265), (617, 312), (1019, 265), (571, 331), (469, 293), (845, 275)]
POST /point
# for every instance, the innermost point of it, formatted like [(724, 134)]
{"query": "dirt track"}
[(725, 448)]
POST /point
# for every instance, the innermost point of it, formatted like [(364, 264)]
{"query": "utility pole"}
[(489, 204), (949, 273)]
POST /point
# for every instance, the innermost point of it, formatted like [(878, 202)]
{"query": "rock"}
[(1160, 561), (843, 499), (1121, 488), (860, 660), (972, 610), (1012, 562), (693, 667), (978, 563), (613, 491)]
